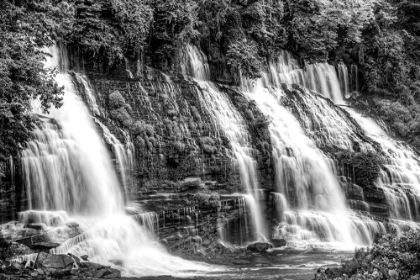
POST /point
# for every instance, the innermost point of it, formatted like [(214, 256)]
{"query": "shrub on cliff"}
[(122, 116), (207, 199), (366, 166), (116, 100)]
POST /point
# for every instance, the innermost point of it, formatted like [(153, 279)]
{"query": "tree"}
[(26, 27)]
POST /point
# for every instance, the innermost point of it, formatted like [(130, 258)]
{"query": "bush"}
[(122, 116), (391, 256), (116, 100), (207, 199), (138, 128), (179, 147)]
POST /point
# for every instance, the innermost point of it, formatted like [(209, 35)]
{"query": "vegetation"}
[(366, 166), (391, 257), (26, 28)]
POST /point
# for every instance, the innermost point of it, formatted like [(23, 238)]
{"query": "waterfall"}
[(228, 120), (69, 177), (320, 77), (313, 205), (400, 174)]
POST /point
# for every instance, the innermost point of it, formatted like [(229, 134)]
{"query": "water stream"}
[(70, 177), (230, 121)]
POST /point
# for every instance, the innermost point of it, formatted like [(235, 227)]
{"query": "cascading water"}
[(399, 177), (313, 206), (229, 120), (124, 154), (68, 169), (320, 77)]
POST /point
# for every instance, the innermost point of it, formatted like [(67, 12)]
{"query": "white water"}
[(314, 211), (320, 77), (400, 179), (400, 176), (68, 169), (229, 120)]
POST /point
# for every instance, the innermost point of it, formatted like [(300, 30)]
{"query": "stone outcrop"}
[(259, 247), (50, 266)]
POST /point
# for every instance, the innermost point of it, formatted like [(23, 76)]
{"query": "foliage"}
[(390, 256), (366, 166), (107, 30), (207, 199), (116, 100), (26, 28)]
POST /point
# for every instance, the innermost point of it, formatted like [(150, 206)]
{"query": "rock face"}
[(259, 247)]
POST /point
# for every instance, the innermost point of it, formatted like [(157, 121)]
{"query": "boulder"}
[(16, 266), (53, 262), (99, 273), (84, 257), (91, 265), (259, 247), (278, 242), (30, 241), (45, 245), (72, 225), (112, 274), (37, 226), (75, 258)]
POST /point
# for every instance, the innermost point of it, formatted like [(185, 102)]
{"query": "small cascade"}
[(320, 77), (57, 173), (343, 77), (88, 93), (228, 120), (400, 175), (69, 175)]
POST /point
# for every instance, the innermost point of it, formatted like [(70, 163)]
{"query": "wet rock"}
[(72, 225), (112, 274), (29, 264), (30, 241), (117, 262), (50, 261), (16, 266), (75, 258), (37, 226), (259, 247), (45, 245), (59, 273), (278, 242), (91, 265), (99, 273), (84, 257)]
